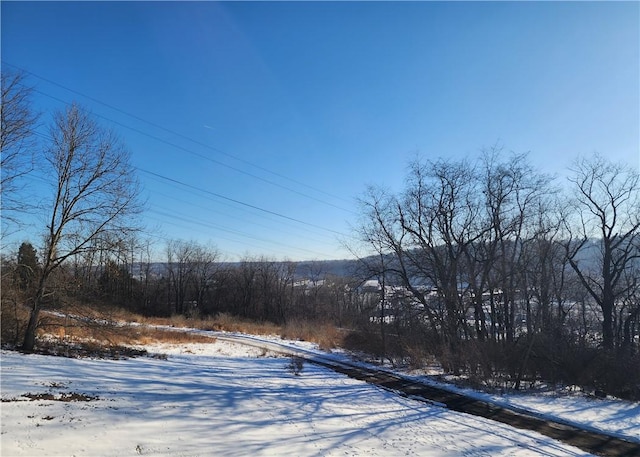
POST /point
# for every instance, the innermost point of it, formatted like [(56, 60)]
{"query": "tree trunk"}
[(607, 325), (627, 341), (29, 341)]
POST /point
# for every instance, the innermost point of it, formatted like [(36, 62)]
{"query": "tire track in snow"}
[(588, 440)]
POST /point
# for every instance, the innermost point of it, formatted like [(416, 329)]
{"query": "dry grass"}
[(178, 321), (155, 335), (230, 323), (110, 333), (111, 327), (221, 322), (326, 336), (63, 397)]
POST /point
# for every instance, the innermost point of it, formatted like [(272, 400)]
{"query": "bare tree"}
[(145, 272), (268, 300), (608, 205), (381, 231), (16, 140), (439, 215), (206, 264), (513, 192), (544, 267), (94, 192), (180, 266), (629, 312)]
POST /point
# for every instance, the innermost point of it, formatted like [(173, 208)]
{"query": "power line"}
[(215, 194), (226, 215), (168, 216), (194, 189), (233, 232), (218, 151), (239, 202), (217, 162)]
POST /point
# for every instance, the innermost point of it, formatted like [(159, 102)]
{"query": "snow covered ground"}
[(608, 415), (224, 399)]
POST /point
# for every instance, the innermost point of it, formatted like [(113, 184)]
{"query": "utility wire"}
[(238, 202), (195, 188), (215, 194), (192, 188), (172, 132), (233, 232), (167, 214), (229, 216), (202, 156)]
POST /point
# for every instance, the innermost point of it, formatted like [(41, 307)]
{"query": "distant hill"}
[(353, 268), (304, 269)]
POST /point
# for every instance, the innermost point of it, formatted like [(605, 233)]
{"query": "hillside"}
[(224, 399)]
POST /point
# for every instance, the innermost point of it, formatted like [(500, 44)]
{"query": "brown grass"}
[(108, 333), (109, 327), (156, 335), (326, 336), (64, 397), (221, 322)]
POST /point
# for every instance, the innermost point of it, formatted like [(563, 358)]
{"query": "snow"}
[(227, 399), (612, 416)]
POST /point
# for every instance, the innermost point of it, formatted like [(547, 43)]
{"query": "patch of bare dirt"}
[(64, 397)]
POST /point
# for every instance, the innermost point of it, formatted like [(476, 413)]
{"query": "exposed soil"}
[(64, 397), (88, 350)]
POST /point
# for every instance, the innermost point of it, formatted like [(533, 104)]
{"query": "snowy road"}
[(604, 443)]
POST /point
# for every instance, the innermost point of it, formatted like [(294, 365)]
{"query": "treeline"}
[(511, 276), (193, 281)]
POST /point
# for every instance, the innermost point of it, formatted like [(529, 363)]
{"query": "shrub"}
[(13, 321), (295, 366)]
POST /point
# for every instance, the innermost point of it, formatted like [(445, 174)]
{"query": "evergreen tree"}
[(27, 265)]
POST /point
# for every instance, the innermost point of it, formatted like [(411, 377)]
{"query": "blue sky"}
[(277, 115)]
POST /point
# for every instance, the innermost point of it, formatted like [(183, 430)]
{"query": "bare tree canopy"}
[(18, 121), (95, 190), (607, 201), (94, 193)]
